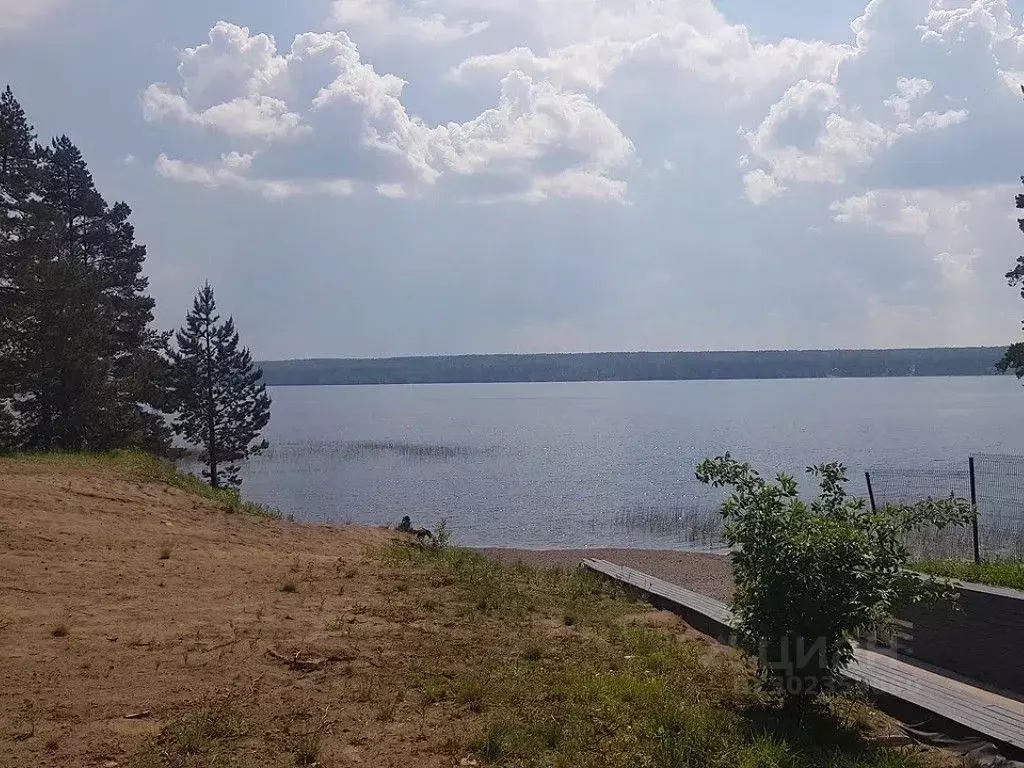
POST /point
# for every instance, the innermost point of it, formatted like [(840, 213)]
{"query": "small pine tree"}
[(1013, 360), (219, 396)]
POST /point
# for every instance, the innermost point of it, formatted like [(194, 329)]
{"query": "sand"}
[(125, 606)]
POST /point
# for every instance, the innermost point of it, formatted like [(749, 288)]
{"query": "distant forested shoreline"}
[(637, 366)]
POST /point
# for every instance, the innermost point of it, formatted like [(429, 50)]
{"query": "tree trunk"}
[(211, 411)]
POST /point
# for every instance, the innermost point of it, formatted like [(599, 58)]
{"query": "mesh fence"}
[(999, 484), (897, 485), (999, 494)]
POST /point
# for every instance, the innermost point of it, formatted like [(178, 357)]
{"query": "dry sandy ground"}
[(136, 620), (126, 598), (710, 575)]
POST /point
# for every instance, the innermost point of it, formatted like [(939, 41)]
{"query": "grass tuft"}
[(206, 736), (59, 630)]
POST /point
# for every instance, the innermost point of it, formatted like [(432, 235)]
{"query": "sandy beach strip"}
[(710, 575)]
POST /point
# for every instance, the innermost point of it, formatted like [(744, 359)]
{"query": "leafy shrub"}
[(442, 537), (812, 576)]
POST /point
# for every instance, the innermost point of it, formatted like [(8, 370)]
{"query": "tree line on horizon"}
[(636, 366), (81, 366)]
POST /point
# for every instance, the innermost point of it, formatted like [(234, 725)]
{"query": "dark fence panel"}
[(981, 640)]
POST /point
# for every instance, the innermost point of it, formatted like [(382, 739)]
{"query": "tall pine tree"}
[(221, 401), (19, 194), (82, 367)]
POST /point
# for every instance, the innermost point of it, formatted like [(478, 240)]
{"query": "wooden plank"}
[(652, 585), (983, 712)]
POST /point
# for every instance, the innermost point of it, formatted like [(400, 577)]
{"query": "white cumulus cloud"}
[(951, 225), (539, 141), (581, 44)]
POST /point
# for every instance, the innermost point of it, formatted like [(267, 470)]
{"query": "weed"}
[(206, 733), (305, 747), (416, 451), (59, 629), (442, 536), (165, 552), (472, 692), (491, 744), (435, 689), (288, 586)]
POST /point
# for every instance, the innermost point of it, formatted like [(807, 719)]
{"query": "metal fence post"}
[(871, 493), (974, 508)]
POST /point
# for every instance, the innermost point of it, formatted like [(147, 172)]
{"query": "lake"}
[(567, 465)]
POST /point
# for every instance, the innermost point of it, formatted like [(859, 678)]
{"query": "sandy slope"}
[(143, 627), (81, 549)]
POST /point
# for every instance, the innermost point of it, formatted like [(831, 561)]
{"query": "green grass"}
[(516, 592), (997, 574), (612, 689), (145, 467)]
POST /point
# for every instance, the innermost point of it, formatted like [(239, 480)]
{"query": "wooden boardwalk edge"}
[(905, 691)]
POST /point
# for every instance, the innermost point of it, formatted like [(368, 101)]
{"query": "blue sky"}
[(384, 177)]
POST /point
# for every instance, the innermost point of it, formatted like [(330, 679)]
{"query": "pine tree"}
[(221, 401), (1013, 360), (19, 186), (89, 369)]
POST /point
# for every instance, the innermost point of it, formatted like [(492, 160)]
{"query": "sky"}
[(416, 177)]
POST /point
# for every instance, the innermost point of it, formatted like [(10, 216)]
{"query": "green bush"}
[(810, 577)]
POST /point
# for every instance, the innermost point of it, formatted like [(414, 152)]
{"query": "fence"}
[(993, 483)]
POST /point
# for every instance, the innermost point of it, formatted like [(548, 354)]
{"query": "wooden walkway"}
[(975, 710)]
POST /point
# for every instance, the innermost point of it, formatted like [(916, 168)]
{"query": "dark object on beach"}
[(421, 534)]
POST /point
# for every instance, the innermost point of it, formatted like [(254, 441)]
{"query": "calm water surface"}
[(596, 464)]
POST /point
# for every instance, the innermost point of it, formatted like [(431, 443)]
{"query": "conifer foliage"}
[(222, 405), (81, 368)]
